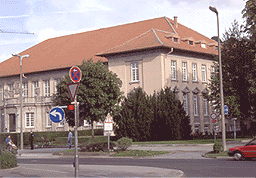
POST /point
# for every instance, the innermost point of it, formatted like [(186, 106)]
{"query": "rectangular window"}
[(203, 45), (191, 42), (185, 103), (175, 40), (173, 70), (25, 89), (56, 83), (204, 73), (195, 105), (134, 72), (194, 72), (10, 86), (30, 119), (205, 103), (47, 88), (35, 86), (184, 71)]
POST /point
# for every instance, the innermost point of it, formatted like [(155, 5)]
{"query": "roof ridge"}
[(124, 42), (170, 24), (157, 36)]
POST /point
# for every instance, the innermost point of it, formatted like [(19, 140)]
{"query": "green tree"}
[(135, 116), (237, 71), (98, 93), (170, 120)]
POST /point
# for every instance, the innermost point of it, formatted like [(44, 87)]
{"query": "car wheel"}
[(238, 156)]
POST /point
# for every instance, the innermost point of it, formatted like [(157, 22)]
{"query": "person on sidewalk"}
[(31, 139), (70, 135)]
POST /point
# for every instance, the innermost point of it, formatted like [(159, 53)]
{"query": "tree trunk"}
[(92, 132)]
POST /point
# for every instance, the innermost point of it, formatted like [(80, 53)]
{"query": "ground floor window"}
[(30, 119)]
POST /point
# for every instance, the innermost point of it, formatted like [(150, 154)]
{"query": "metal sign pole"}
[(108, 139), (214, 132), (76, 142)]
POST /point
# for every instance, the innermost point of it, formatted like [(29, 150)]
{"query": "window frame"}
[(46, 88), (35, 86), (173, 70), (184, 72), (204, 75), (205, 106), (134, 72), (25, 89), (194, 72), (195, 105), (30, 121), (185, 103)]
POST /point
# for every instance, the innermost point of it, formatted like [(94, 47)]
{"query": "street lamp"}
[(221, 83), (21, 128)]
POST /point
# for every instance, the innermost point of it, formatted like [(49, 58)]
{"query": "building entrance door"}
[(12, 123)]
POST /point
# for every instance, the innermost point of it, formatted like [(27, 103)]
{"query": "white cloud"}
[(9, 17), (3, 57)]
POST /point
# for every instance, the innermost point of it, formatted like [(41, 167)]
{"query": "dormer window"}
[(190, 42), (203, 45), (176, 40)]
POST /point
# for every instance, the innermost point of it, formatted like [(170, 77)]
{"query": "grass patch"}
[(214, 155), (65, 151), (198, 141), (139, 153)]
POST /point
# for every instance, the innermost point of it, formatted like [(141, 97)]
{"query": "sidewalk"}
[(52, 170)]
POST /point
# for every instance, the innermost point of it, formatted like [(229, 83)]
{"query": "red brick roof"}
[(66, 51)]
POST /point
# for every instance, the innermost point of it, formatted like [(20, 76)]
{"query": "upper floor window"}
[(134, 72), (25, 89), (30, 119), (195, 106), (10, 86), (173, 70), (204, 79), (35, 86), (212, 71), (184, 71), (56, 83), (194, 72), (47, 88)]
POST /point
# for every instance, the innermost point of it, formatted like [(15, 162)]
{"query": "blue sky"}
[(52, 18)]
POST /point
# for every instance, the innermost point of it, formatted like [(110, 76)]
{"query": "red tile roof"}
[(66, 51)]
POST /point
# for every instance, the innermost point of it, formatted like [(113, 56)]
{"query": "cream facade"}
[(38, 90), (186, 73)]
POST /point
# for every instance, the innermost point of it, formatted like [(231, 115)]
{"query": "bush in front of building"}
[(217, 147), (7, 160)]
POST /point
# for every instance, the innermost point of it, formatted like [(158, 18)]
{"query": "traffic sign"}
[(56, 114), (225, 109), (108, 119), (75, 74), (213, 120), (72, 88), (213, 116)]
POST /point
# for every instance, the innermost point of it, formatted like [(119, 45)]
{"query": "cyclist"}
[(7, 140)]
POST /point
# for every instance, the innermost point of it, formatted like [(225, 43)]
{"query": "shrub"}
[(97, 146), (217, 147), (123, 143), (7, 160)]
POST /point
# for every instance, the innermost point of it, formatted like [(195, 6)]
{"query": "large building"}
[(151, 54)]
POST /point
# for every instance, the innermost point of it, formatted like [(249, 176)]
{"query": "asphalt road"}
[(191, 167)]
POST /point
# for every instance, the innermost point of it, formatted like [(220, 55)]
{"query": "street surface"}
[(187, 159)]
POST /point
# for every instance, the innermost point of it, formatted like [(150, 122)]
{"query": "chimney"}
[(175, 21)]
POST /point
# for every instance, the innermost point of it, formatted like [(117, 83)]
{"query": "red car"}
[(247, 151)]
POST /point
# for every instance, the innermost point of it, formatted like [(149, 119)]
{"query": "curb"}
[(10, 169)]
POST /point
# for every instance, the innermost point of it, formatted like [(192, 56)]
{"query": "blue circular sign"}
[(57, 114)]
